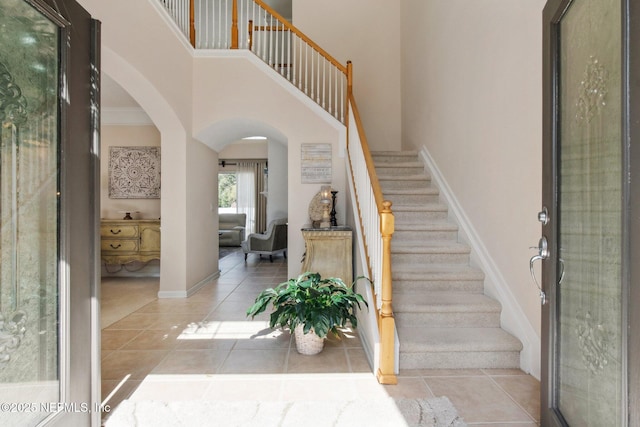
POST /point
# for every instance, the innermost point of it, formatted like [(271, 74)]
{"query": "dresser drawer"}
[(119, 230), (114, 246)]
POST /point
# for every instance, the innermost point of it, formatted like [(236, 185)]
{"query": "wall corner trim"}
[(192, 290)]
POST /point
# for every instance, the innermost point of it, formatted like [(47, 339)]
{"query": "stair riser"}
[(400, 260), (413, 184), (424, 235), (378, 159), (460, 360), (471, 286), (399, 171), (411, 199), (421, 217), (447, 320)]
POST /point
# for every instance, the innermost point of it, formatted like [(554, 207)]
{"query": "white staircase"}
[(444, 320)]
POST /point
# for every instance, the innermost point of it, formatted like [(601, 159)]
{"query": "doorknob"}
[(543, 253)]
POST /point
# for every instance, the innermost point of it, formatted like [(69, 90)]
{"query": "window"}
[(227, 192)]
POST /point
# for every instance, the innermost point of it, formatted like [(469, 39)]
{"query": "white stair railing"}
[(253, 25)]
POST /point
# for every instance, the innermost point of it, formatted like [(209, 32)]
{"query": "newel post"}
[(386, 373), (192, 23), (234, 25)]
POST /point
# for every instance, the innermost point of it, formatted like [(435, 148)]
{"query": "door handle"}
[(543, 253)]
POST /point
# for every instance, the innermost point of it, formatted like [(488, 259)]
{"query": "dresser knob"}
[(115, 232), (115, 247)]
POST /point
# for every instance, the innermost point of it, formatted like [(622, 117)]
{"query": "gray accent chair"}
[(231, 229), (273, 241)]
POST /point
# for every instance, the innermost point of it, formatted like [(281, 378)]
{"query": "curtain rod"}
[(224, 163)]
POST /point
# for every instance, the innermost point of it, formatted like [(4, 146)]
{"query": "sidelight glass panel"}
[(29, 212), (588, 365)]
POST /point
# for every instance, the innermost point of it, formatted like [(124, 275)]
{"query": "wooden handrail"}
[(300, 34)]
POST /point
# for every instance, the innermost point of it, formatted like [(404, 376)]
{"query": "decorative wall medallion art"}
[(134, 172)]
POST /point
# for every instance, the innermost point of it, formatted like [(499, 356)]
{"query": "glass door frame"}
[(552, 15)]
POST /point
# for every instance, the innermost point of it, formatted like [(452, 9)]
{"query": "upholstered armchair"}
[(273, 241)]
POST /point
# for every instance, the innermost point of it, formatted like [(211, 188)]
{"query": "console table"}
[(329, 252), (124, 241)]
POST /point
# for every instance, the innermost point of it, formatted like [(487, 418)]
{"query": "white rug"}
[(435, 412)]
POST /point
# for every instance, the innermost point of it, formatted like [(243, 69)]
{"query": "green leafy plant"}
[(321, 304)]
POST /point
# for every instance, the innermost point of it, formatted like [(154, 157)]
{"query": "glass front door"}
[(584, 378), (48, 153), (29, 209)]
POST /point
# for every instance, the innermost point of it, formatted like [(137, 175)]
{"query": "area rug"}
[(389, 412)]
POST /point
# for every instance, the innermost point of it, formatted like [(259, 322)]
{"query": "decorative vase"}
[(309, 343)]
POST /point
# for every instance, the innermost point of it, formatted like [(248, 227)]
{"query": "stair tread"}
[(432, 246), (399, 164), (438, 301), (436, 271), (411, 191), (394, 153), (418, 177), (421, 339), (426, 226), (424, 207)]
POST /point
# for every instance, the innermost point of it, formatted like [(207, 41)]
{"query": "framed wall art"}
[(134, 172)]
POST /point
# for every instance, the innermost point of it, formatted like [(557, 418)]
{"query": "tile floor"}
[(204, 347)]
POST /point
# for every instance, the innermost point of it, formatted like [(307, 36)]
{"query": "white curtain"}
[(246, 194)]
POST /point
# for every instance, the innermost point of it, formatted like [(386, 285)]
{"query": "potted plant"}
[(310, 307)]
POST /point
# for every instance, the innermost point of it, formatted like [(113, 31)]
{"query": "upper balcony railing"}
[(253, 25)]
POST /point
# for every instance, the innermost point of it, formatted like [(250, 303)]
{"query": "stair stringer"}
[(512, 317), (367, 320)]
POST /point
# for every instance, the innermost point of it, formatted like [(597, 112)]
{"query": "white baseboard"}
[(512, 318), (192, 290)]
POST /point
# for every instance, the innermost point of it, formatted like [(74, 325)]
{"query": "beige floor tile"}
[(175, 321), (136, 321), (191, 362), (329, 360), (254, 362), (116, 339), (136, 363), (525, 390), (265, 339), (478, 399), (441, 372), (358, 361), (152, 340), (409, 388)]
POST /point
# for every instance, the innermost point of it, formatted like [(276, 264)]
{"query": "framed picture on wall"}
[(134, 172)]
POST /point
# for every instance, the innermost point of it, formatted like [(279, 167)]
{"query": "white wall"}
[(367, 32), (471, 96), (202, 213), (277, 199), (247, 91)]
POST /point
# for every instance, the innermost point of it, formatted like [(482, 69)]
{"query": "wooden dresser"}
[(329, 252), (123, 241)]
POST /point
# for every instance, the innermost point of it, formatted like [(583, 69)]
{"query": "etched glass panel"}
[(29, 291), (590, 218)]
